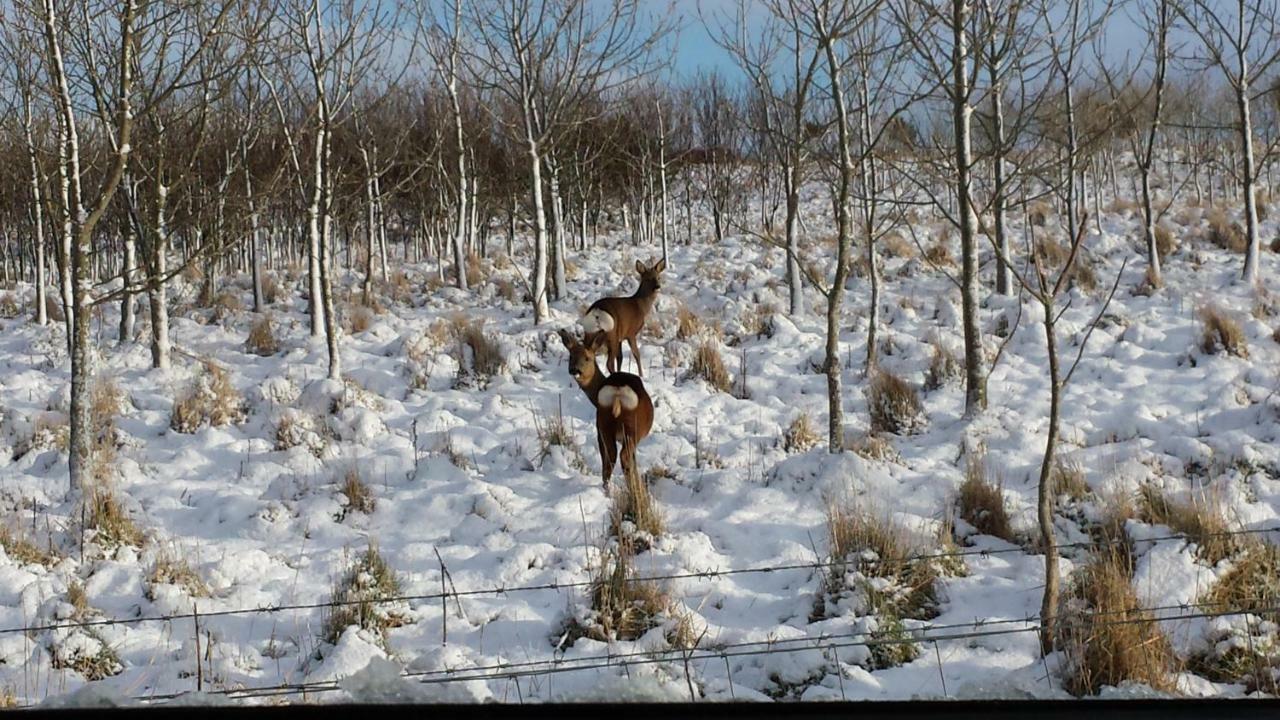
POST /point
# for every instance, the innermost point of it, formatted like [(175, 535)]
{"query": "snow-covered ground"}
[(262, 526)]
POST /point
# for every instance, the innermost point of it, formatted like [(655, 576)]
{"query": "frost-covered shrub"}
[(360, 598), (894, 405), (84, 651), (1106, 636), (296, 428), (211, 400)]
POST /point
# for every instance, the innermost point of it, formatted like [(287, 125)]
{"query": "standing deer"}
[(624, 412), (619, 318)]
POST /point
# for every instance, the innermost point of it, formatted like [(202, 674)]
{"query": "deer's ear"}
[(660, 265), (639, 267), (567, 339), (597, 343)]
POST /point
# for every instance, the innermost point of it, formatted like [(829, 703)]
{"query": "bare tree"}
[(545, 58), (940, 33), (1241, 38)]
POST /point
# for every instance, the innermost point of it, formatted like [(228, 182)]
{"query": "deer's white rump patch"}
[(597, 320), (612, 395)]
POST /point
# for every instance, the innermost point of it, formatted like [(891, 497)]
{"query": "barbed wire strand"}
[(823, 643), (569, 585)]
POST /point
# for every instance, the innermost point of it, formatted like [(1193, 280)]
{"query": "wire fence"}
[(922, 632), (827, 643), (709, 574)]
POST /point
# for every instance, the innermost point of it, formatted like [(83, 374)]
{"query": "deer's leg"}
[(608, 443), (615, 355), (635, 354)]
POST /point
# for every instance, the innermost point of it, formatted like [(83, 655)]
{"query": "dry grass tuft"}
[(634, 508), (108, 519), (800, 435), (296, 428), (272, 291), (553, 431), (1247, 651), (875, 447), (23, 550), (623, 609), (1067, 477), (479, 355), (211, 400), (897, 246), (360, 598), (938, 253), (84, 651), (876, 568), (688, 324), (1166, 242), (894, 405), (262, 338), (173, 569), (1202, 522), (1039, 213), (359, 495), (1224, 233), (708, 365), (9, 307), (1220, 333), (981, 500), (1106, 636), (359, 318), (944, 367), (78, 599), (225, 305)]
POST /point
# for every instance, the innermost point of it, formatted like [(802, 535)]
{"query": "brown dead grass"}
[(1224, 233), (981, 499), (211, 400), (1106, 636), (262, 339), (1219, 333), (709, 365), (1201, 520), (358, 493), (800, 435)]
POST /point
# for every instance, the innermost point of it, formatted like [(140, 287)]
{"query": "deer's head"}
[(582, 355), (650, 276)]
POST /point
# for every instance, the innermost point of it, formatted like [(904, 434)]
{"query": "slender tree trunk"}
[(975, 399), (157, 291), (129, 277), (1045, 495), (541, 308), (835, 297), (1248, 174)]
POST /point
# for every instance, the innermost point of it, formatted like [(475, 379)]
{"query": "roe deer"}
[(622, 318), (624, 412)]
